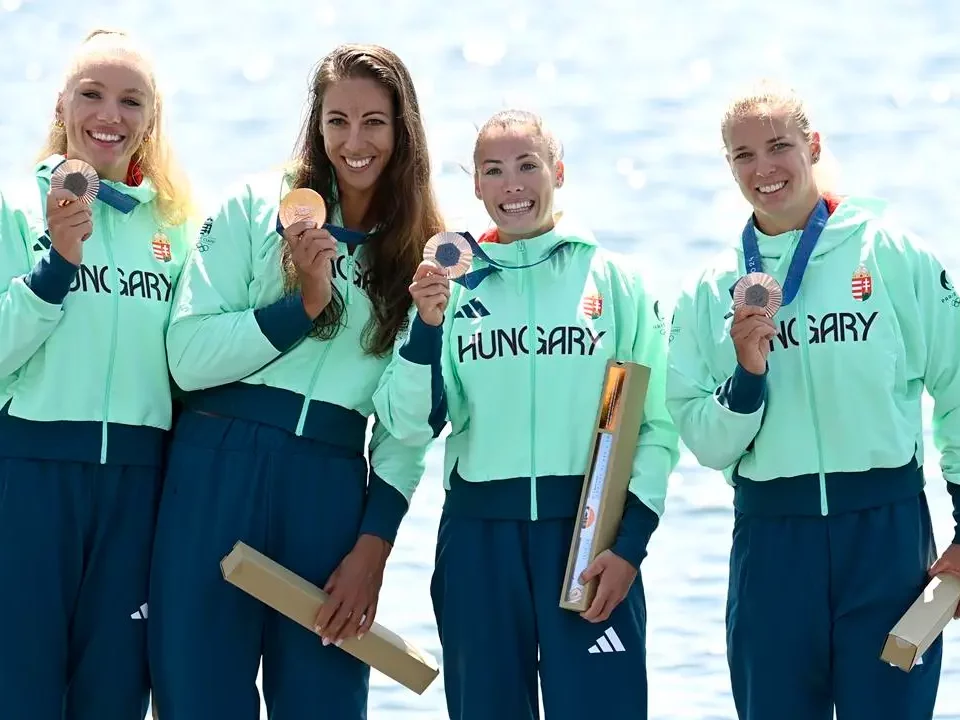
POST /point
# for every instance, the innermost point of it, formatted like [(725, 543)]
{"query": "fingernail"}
[(360, 636), (326, 641), (317, 629), (338, 643)]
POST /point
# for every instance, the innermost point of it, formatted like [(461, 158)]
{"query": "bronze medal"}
[(79, 178), (450, 251), (758, 290), (302, 204)]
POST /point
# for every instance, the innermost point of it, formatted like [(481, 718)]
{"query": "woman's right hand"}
[(313, 251), (69, 223), (751, 332), (430, 291)]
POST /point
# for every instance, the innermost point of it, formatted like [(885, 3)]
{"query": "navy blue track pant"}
[(496, 589), (75, 545), (811, 600), (298, 502)]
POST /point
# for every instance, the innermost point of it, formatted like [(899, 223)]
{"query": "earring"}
[(58, 123)]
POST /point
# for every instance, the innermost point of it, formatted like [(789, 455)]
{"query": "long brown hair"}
[(403, 206), (174, 203)]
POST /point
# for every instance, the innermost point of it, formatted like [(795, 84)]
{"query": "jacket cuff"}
[(743, 392), (423, 345), (386, 508), (954, 491), (285, 322), (51, 278), (636, 529)]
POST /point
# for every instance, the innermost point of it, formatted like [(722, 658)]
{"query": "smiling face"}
[(107, 109), (515, 178), (772, 160), (358, 131)]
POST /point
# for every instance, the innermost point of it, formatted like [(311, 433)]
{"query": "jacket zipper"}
[(325, 350), (532, 335), (308, 395), (115, 292), (812, 400), (350, 272)]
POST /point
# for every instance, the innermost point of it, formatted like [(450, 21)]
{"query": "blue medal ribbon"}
[(116, 199), (801, 257), (113, 197), (472, 279)]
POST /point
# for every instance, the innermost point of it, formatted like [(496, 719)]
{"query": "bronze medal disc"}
[(302, 204), (451, 251), (79, 178), (758, 290)]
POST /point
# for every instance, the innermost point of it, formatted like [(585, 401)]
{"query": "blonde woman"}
[(797, 365), (90, 253)]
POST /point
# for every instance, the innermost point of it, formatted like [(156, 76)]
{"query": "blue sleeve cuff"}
[(438, 411), (285, 322), (636, 529), (51, 278), (386, 508), (743, 392), (423, 345), (954, 491)]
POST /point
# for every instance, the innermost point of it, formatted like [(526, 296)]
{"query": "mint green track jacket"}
[(835, 423), (239, 347), (83, 370), (517, 368)]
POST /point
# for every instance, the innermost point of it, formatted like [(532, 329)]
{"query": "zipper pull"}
[(522, 250)]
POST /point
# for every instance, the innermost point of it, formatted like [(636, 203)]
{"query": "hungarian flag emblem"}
[(592, 305), (861, 285), (161, 248)]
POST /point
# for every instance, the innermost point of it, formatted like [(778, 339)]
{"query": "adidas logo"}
[(473, 309), (608, 642), (140, 614), (42, 243)]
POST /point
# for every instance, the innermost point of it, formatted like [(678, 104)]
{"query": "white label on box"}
[(588, 522)]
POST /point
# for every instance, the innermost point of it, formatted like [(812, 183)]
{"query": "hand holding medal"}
[(309, 247), (757, 296), (756, 299), (73, 188), (446, 255)]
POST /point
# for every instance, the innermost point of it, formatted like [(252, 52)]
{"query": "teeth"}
[(772, 188), (105, 137), (520, 206), (358, 164)]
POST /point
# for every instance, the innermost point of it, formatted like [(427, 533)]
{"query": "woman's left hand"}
[(354, 588), (948, 563), (616, 577)]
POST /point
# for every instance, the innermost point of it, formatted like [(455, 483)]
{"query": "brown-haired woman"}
[(280, 334)]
